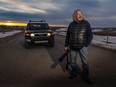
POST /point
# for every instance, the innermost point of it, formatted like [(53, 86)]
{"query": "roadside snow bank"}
[(2, 35)]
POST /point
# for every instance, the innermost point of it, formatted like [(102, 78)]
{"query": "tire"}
[(27, 45), (52, 43)]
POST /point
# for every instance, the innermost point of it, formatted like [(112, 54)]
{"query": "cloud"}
[(58, 11), (32, 10), (17, 6), (27, 6)]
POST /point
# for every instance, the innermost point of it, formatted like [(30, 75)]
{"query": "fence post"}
[(107, 38)]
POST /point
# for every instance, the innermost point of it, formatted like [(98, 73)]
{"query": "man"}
[(78, 38)]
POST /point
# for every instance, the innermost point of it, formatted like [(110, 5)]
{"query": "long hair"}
[(75, 14)]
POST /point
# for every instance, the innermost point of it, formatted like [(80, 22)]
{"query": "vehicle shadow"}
[(55, 53)]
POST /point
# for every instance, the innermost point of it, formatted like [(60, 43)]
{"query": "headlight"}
[(32, 35), (27, 34), (49, 34)]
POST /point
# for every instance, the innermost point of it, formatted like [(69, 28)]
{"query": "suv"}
[(38, 32)]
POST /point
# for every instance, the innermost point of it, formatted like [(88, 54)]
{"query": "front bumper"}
[(36, 39)]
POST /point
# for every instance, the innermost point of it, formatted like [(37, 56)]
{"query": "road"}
[(38, 66)]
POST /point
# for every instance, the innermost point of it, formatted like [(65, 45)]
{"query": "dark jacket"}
[(79, 34)]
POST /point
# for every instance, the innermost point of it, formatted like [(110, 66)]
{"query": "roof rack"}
[(38, 21)]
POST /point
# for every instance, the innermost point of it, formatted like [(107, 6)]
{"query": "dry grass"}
[(105, 32)]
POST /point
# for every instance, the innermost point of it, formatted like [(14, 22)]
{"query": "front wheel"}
[(27, 45), (52, 43)]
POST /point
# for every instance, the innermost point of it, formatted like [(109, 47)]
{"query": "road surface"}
[(38, 67)]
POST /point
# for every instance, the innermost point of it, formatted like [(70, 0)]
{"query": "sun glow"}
[(9, 23)]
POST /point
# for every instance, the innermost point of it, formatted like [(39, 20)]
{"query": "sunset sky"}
[(59, 12)]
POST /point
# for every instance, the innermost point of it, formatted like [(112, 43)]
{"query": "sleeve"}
[(67, 37), (89, 35)]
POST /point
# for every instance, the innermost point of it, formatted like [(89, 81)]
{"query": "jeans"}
[(84, 59)]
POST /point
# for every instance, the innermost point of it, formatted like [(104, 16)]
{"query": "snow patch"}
[(5, 34)]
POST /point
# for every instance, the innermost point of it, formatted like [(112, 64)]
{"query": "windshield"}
[(37, 26)]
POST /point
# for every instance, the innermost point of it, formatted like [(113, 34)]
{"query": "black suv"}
[(38, 32)]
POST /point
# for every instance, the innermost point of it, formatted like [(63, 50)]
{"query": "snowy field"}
[(103, 41)]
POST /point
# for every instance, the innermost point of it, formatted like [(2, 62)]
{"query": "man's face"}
[(79, 15)]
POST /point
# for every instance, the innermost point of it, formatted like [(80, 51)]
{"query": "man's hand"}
[(66, 48)]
